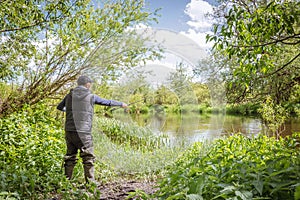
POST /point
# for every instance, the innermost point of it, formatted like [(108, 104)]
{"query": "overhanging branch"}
[(282, 67), (275, 41)]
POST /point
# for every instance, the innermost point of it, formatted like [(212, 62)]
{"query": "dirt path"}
[(120, 190)]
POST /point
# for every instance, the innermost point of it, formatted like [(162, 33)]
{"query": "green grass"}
[(144, 158), (124, 161), (129, 134)]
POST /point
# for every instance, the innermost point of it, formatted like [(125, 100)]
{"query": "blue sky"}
[(186, 17), (182, 31), (172, 13)]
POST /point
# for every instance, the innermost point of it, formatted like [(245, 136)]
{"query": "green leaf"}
[(245, 195), (194, 197), (297, 192), (258, 184)]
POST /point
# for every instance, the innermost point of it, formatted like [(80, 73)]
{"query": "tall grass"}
[(125, 161), (130, 135), (129, 150)]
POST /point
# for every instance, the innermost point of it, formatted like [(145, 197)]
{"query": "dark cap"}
[(82, 80)]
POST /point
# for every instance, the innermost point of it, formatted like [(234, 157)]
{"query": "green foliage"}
[(297, 193), (202, 93), (180, 84), (265, 20), (5, 90), (55, 41), (259, 43), (130, 151), (141, 138), (235, 168), (242, 109), (31, 153), (294, 101), (187, 108), (164, 95), (273, 115), (124, 161), (32, 148), (138, 194)]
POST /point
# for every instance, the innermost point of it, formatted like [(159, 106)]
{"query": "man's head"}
[(84, 81)]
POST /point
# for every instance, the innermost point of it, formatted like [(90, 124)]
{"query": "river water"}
[(193, 127)]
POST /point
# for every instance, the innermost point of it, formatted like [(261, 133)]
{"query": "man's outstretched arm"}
[(100, 101)]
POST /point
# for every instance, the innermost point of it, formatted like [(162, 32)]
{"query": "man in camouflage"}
[(79, 107)]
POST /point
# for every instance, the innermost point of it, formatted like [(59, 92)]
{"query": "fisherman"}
[(79, 107)]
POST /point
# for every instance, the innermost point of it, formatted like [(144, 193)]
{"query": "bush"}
[(242, 109), (236, 168), (31, 154)]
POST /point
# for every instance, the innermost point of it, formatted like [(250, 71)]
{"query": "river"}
[(193, 127)]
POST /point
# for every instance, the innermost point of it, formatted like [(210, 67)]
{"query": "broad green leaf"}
[(194, 197), (244, 195), (259, 184)]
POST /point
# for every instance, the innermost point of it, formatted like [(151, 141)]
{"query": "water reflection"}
[(193, 127)]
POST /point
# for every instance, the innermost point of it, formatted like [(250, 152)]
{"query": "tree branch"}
[(61, 16), (281, 68), (275, 41)]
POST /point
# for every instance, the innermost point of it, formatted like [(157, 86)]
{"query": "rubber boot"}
[(89, 174), (69, 171)]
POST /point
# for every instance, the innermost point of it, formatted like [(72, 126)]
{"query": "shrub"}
[(242, 109), (31, 153), (235, 168)]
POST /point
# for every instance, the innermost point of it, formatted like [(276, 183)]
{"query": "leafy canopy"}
[(261, 41)]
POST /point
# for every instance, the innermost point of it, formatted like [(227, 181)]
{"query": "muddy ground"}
[(121, 190)]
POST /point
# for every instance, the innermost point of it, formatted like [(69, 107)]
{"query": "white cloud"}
[(188, 45), (197, 11), (198, 37), (199, 24)]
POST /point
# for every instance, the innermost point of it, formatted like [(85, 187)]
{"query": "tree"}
[(180, 83), (202, 93), (45, 45), (214, 73), (261, 41)]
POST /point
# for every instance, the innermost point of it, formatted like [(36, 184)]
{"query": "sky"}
[(186, 17), (182, 28)]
